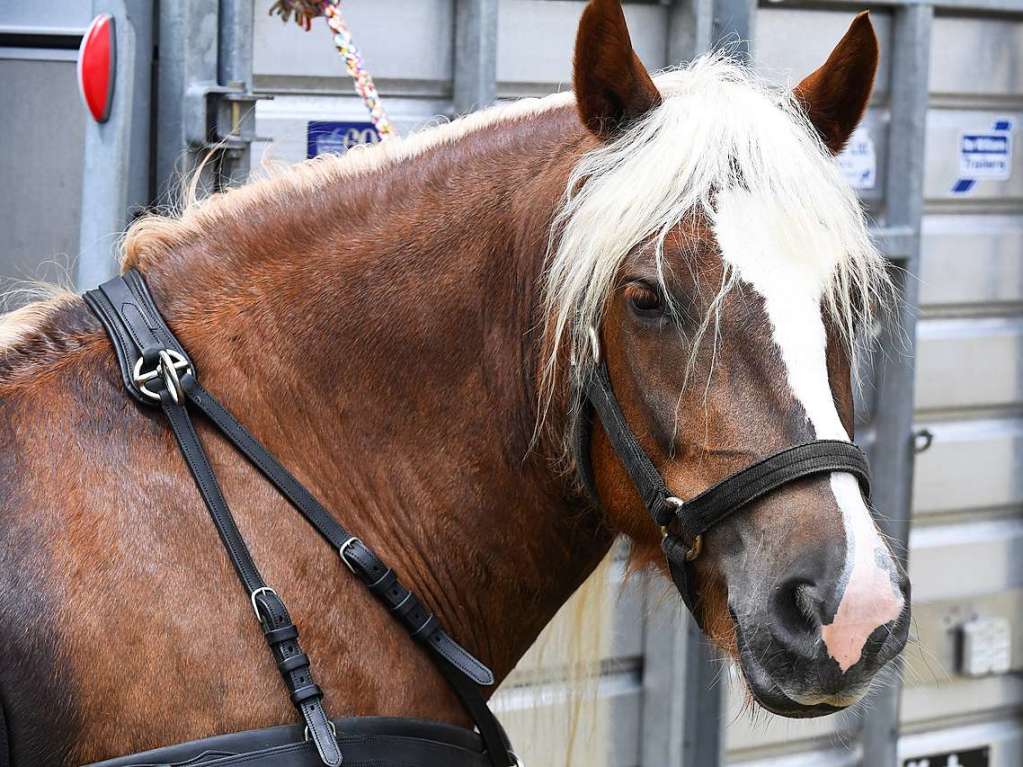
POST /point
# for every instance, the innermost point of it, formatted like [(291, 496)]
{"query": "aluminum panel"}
[(286, 117), (746, 729), (409, 43), (616, 720), (534, 692), (932, 658), (967, 363), (817, 32), (42, 123), (1004, 736), (970, 465), (944, 128), (824, 755), (961, 698), (969, 260), (529, 63), (976, 56), (57, 17), (966, 560)]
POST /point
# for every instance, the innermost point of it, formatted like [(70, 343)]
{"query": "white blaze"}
[(792, 271)]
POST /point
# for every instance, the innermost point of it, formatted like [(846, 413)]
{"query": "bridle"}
[(683, 523)]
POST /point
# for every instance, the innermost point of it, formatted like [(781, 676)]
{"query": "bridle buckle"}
[(168, 367), (696, 547)]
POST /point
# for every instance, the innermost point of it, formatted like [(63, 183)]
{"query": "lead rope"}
[(304, 11)]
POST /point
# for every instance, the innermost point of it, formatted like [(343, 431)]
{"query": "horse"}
[(405, 327)]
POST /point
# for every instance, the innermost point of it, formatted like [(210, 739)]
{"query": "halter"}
[(693, 518)]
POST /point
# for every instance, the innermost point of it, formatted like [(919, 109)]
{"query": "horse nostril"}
[(798, 608)]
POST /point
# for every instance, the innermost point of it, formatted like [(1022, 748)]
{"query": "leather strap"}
[(140, 338), (354, 553), (134, 325), (683, 522), (270, 610), (366, 741)]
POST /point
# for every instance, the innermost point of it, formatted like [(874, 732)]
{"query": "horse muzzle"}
[(789, 667)]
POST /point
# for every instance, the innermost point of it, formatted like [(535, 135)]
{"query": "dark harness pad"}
[(5, 749), (365, 741)]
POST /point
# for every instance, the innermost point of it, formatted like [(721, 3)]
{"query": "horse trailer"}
[(227, 86)]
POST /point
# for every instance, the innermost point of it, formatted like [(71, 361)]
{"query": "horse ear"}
[(612, 87), (835, 96)]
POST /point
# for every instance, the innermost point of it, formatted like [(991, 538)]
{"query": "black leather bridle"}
[(683, 523)]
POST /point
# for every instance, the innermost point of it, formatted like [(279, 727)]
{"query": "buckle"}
[(167, 368), (341, 552), (333, 729), (696, 547), (256, 593)]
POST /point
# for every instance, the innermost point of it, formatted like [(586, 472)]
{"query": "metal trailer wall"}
[(42, 137)]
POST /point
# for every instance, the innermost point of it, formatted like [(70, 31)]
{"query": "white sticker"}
[(858, 160), (986, 154)]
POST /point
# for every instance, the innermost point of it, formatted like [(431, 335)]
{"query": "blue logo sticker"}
[(338, 137), (984, 155)]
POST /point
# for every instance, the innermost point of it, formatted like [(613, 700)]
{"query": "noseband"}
[(683, 523)]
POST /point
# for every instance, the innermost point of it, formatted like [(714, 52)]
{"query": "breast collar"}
[(158, 372), (683, 523)]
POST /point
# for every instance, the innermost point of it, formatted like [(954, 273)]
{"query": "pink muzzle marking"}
[(870, 600)]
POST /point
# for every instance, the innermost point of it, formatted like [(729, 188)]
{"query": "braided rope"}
[(303, 12)]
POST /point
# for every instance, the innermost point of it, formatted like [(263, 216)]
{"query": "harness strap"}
[(157, 370), (354, 553), (696, 516), (128, 317)]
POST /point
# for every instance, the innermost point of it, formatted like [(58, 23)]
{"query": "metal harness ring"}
[(696, 547), (167, 368)]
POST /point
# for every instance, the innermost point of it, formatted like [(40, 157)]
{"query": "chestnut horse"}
[(396, 325)]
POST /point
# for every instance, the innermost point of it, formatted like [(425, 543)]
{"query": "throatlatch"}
[(157, 371), (683, 523)]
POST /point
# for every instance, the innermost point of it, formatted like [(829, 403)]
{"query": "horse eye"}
[(643, 299)]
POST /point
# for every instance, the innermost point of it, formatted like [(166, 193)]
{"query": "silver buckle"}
[(256, 593), (333, 729), (697, 548), (167, 368), (341, 552)]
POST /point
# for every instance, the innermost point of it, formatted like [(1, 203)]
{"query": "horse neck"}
[(381, 337)]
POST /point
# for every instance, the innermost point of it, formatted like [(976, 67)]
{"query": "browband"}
[(696, 516)]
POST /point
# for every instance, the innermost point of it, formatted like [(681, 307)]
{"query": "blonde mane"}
[(719, 130)]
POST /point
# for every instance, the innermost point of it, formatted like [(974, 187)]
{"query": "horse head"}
[(710, 254)]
